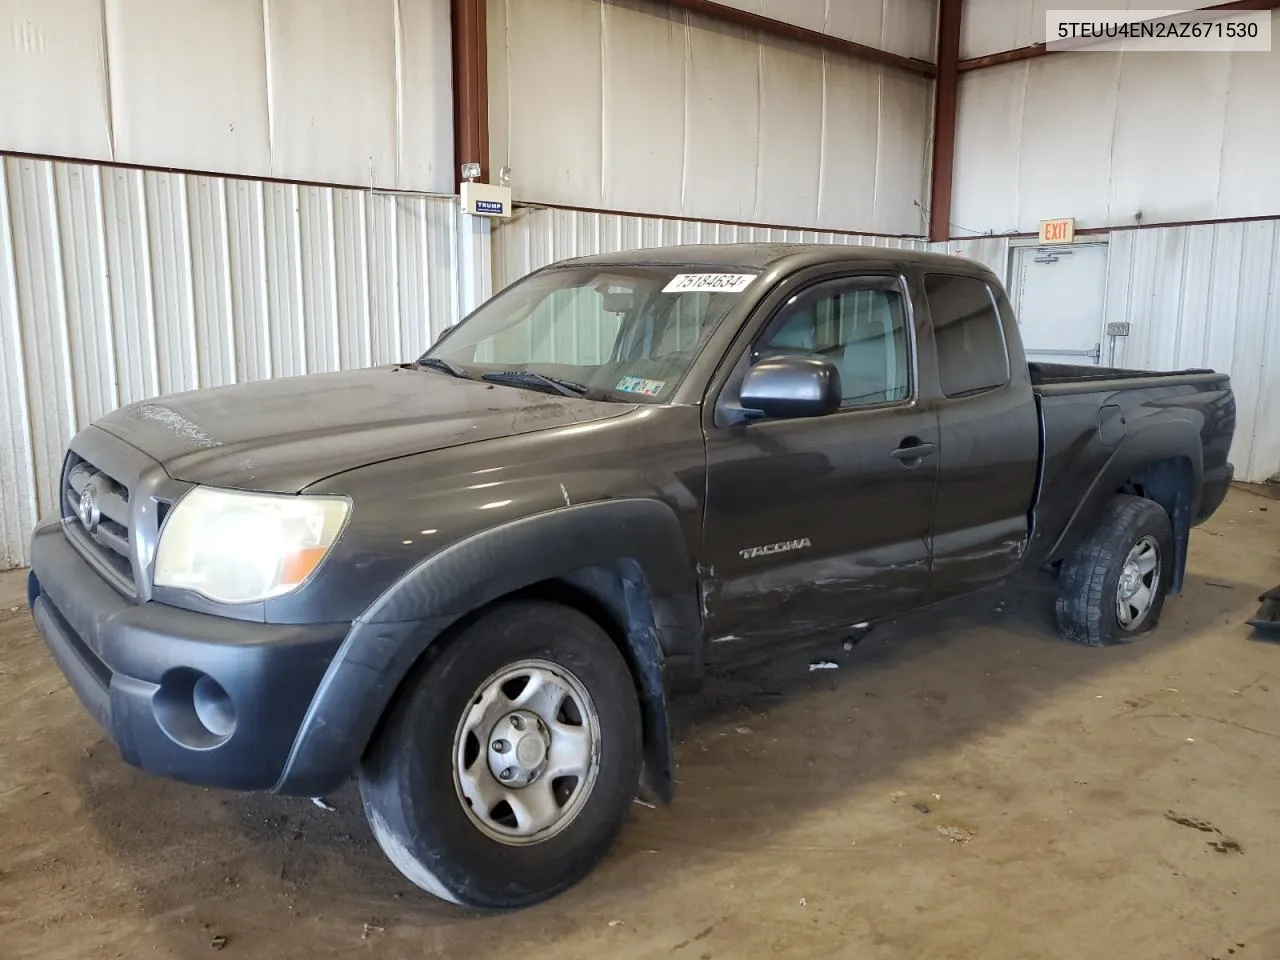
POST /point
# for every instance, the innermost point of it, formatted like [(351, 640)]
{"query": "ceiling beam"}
[(813, 38), (1041, 50), (470, 87), (945, 104)]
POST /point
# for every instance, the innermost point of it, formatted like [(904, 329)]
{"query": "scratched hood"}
[(283, 435)]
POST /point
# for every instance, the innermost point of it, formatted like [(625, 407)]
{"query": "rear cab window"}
[(972, 355)]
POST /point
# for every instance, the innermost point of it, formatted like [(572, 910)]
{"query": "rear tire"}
[(1113, 585), (466, 787)]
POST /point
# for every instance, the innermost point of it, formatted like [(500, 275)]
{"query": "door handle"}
[(912, 450)]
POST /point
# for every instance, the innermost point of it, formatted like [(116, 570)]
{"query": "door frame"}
[(1013, 283), (922, 370)]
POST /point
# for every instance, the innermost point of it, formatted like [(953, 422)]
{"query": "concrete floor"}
[(963, 785)]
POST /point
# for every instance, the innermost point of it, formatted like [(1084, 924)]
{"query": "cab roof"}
[(758, 256)]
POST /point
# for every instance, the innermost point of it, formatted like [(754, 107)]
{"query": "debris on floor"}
[(368, 929), (1223, 844), (823, 665), (920, 807), (323, 804), (218, 942), (956, 834)]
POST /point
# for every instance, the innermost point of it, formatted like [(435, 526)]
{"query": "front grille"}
[(106, 537)]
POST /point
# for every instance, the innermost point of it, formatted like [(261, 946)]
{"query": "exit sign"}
[(1058, 231)]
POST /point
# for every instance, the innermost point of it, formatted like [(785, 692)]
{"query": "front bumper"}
[(137, 667)]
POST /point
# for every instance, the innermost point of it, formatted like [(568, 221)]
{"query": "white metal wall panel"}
[(117, 285), (1207, 296), (993, 26), (352, 92), (1167, 151), (643, 59), (789, 170), (1247, 184), (899, 26), (17, 454), (333, 79), (53, 72), (538, 236), (189, 90), (631, 105), (1118, 139), (722, 120), (851, 109)]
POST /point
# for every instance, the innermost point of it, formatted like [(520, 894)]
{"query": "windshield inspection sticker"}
[(709, 283), (649, 388)]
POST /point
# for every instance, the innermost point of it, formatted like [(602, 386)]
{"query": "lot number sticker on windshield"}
[(709, 283)]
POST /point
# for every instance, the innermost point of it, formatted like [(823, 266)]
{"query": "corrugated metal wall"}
[(541, 235), (1207, 296), (117, 285), (1194, 296)]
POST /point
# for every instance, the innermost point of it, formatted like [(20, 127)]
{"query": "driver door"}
[(814, 525)]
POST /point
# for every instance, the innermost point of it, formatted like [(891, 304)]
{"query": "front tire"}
[(1113, 584), (507, 768)]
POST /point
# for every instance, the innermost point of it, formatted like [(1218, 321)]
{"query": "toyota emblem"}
[(89, 512)]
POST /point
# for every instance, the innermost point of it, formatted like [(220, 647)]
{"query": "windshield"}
[(624, 333)]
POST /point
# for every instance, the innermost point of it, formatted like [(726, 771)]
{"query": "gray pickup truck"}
[(474, 580)]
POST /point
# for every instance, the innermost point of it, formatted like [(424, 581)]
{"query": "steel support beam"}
[(470, 87), (1041, 50), (945, 102), (814, 38)]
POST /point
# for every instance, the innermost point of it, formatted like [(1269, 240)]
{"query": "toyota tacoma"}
[(473, 581)]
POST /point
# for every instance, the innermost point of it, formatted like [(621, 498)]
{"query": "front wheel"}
[(506, 769), (1113, 585)]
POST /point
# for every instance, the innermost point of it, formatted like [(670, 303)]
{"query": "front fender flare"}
[(641, 537)]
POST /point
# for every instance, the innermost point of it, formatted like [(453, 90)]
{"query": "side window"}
[(971, 351), (863, 332)]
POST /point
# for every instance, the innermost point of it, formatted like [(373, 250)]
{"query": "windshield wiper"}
[(444, 366), (527, 378)]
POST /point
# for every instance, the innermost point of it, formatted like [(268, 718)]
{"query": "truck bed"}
[(1086, 414), (1047, 376)]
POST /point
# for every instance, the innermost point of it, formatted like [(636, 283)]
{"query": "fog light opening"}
[(194, 710), (213, 707)]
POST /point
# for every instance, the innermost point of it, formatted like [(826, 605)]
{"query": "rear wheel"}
[(1112, 587), (505, 772)]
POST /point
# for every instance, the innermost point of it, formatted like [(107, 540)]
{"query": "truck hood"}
[(283, 435)]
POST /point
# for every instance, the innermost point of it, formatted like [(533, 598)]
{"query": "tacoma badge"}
[(786, 546)]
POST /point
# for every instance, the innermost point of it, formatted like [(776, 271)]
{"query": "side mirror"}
[(790, 387)]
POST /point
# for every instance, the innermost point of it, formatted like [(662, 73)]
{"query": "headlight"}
[(237, 547)]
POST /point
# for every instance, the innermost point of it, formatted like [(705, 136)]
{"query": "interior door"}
[(814, 525), (1060, 298)]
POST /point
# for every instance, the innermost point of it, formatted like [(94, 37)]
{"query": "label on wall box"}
[(1058, 231)]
